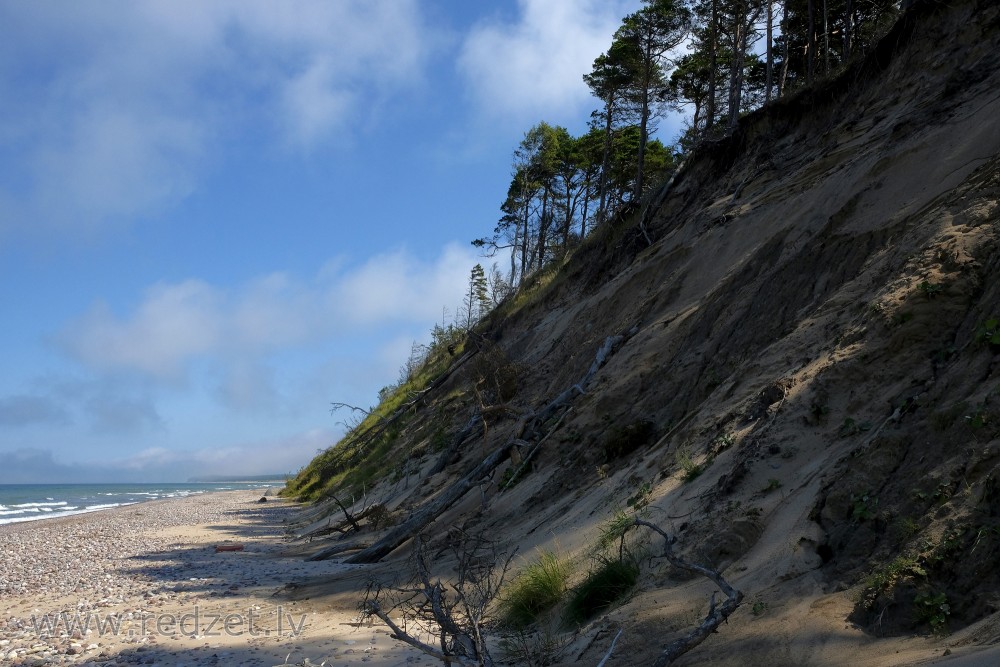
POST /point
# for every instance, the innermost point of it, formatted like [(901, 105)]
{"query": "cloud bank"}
[(177, 324), (112, 110)]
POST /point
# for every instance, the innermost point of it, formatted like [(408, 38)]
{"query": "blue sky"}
[(218, 217)]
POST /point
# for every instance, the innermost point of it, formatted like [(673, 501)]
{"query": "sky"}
[(216, 218)]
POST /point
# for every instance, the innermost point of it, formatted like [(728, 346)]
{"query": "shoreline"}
[(32, 508), (144, 584)]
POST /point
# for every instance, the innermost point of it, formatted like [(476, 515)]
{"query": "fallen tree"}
[(529, 430)]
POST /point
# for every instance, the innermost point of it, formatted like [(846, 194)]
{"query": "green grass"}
[(536, 589), (604, 586)]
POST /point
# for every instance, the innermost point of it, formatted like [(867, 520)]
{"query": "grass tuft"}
[(609, 583), (536, 589)]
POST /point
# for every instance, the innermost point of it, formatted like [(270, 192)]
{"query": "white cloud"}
[(113, 110), (173, 324), (533, 68), (176, 325)]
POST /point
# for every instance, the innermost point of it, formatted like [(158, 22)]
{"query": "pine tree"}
[(477, 300)]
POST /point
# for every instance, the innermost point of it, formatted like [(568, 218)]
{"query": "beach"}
[(200, 580)]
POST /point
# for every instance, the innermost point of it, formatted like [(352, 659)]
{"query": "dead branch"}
[(416, 522), (335, 549), (348, 516), (337, 405), (716, 614), (470, 430), (611, 650), (459, 616)]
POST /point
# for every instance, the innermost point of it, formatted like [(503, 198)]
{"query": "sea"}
[(34, 502)]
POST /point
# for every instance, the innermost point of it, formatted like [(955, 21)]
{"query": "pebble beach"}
[(188, 581)]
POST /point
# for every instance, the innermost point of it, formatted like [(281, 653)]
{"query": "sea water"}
[(31, 502)]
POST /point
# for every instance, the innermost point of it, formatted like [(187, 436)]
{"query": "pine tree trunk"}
[(602, 209), (848, 28), (784, 50), (769, 81), (826, 40), (713, 67), (811, 43)]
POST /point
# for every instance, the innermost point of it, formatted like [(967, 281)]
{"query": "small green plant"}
[(759, 608), (863, 507), (899, 319), (989, 332), (908, 527), (933, 609), (536, 589), (851, 427), (624, 440), (640, 499), (613, 531), (930, 289), (885, 578), (723, 442), (690, 470), (819, 411), (977, 419), (984, 531), (612, 580), (772, 485)]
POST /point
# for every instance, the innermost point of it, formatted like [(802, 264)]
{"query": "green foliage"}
[(901, 318), (690, 470), (977, 419), (611, 581), (772, 485), (930, 290), (497, 378), (882, 580), (933, 609), (851, 427), (759, 608), (512, 475), (989, 332), (624, 440), (640, 499), (863, 507), (536, 589), (613, 531), (939, 494)]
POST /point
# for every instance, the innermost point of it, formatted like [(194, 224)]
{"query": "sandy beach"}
[(145, 585)]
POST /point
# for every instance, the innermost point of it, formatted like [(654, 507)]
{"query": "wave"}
[(58, 504), (62, 512)]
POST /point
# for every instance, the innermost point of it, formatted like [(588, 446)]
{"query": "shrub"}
[(538, 588), (624, 440), (610, 582)]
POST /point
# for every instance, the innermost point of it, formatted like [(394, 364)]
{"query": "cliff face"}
[(809, 397)]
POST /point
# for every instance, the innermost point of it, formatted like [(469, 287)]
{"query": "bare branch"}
[(716, 614)]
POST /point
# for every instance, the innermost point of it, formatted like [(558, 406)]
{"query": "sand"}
[(144, 585)]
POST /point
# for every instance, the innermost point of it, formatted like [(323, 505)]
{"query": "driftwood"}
[(344, 526), (530, 426), (457, 614), (335, 549), (470, 430), (429, 512), (716, 614)]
